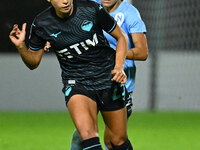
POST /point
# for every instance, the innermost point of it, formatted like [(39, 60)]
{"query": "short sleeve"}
[(35, 38), (134, 22), (106, 21)]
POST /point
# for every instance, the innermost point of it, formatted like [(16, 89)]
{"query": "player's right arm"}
[(30, 58)]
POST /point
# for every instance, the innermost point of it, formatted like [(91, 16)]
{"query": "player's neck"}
[(114, 6)]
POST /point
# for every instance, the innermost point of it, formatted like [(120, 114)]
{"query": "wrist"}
[(121, 67), (21, 46)]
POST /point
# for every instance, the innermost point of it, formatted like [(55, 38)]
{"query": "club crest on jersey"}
[(119, 17), (87, 25)]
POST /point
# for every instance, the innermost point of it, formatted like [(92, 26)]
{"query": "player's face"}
[(63, 8), (110, 4)]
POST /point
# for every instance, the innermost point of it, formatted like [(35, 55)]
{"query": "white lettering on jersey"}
[(63, 53), (93, 42), (75, 46), (88, 43), (84, 46)]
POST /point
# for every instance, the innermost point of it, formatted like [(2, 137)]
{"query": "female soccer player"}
[(129, 19), (92, 72)]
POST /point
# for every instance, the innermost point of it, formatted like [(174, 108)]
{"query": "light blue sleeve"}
[(134, 21), (98, 1)]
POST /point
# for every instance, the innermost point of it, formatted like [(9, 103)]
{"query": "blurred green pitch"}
[(52, 131)]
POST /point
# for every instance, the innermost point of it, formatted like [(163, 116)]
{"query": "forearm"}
[(29, 58), (121, 52), (140, 51)]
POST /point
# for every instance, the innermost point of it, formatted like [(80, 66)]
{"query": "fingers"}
[(47, 46), (16, 30), (124, 80), (24, 27), (15, 27), (17, 36), (119, 76), (13, 33)]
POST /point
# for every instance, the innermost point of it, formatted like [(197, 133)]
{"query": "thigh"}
[(83, 111), (116, 123), (107, 138)]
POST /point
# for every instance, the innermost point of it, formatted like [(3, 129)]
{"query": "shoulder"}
[(126, 13), (130, 10), (44, 15), (131, 18)]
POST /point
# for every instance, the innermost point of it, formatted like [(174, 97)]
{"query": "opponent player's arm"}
[(30, 58), (140, 51), (121, 52)]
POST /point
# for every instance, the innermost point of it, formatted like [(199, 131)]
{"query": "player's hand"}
[(17, 36), (47, 46), (119, 75)]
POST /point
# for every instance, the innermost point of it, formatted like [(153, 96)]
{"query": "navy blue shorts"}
[(107, 99)]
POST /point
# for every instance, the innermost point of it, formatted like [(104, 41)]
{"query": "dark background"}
[(171, 25), (17, 12)]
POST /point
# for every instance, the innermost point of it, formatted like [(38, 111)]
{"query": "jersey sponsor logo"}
[(87, 25), (55, 34), (78, 47), (119, 17)]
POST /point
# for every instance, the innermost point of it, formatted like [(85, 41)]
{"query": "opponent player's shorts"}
[(129, 104), (107, 99)]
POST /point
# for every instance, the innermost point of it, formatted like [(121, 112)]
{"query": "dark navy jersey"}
[(85, 57)]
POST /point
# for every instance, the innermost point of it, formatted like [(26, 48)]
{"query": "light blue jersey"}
[(98, 1), (129, 19)]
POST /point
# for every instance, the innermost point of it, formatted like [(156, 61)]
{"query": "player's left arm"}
[(140, 51), (121, 52), (109, 25)]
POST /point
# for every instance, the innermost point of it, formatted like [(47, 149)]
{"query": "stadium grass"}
[(52, 131)]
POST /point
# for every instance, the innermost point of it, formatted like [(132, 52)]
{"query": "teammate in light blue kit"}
[(129, 19)]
